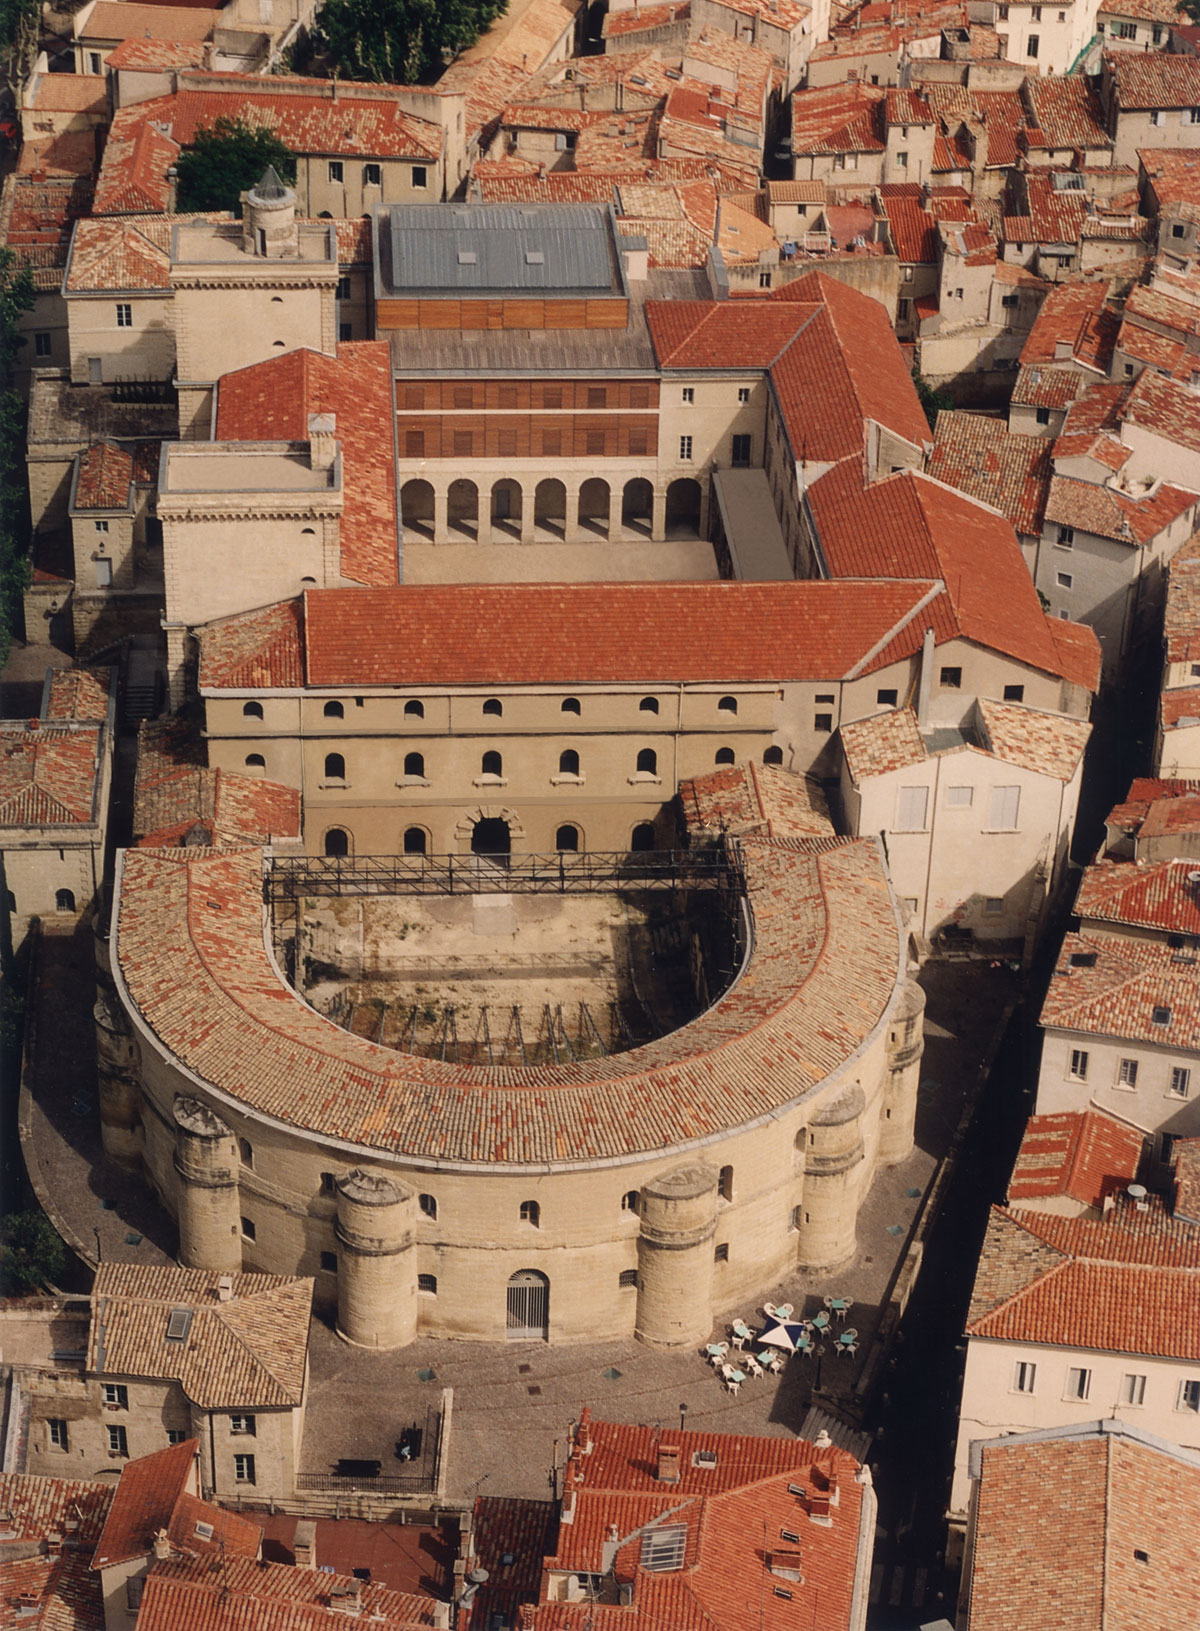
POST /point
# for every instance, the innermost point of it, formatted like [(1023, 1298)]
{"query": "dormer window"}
[(1161, 1015), (663, 1548)]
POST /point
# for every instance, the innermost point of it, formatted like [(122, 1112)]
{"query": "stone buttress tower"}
[(120, 1096), (828, 1232), (206, 1164), (377, 1261), (905, 1045), (675, 1257)]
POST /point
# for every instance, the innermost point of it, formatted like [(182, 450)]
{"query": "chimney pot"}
[(668, 1464)]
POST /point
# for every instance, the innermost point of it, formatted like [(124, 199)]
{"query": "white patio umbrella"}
[(783, 1334)]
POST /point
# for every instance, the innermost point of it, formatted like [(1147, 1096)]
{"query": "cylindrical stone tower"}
[(905, 1045), (120, 1096), (269, 219), (206, 1162), (377, 1261), (675, 1257), (830, 1208)]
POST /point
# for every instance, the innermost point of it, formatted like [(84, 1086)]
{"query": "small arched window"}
[(335, 767), (647, 762), (493, 707), (414, 765), (627, 1277), (255, 761), (252, 710), (308, 532), (334, 710), (246, 1152), (531, 1213), (414, 840), (648, 705), (64, 901), (725, 1184), (570, 705), (337, 841), (727, 705), (492, 764), (414, 709), (631, 1201), (643, 836), (773, 756), (428, 1205), (725, 756), (428, 1284), (567, 839), (568, 762)]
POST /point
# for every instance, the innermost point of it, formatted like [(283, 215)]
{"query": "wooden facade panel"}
[(523, 435), (398, 314), (606, 314), (442, 314), (524, 314), (566, 314)]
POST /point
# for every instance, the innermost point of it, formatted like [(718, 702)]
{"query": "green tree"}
[(1190, 9), (934, 399), (222, 163), (403, 41), (16, 297), (19, 24), (31, 1253)]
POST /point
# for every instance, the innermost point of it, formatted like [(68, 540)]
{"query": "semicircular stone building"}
[(638, 1192)]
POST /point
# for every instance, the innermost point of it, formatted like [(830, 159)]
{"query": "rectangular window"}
[(118, 1441), (1024, 1376), (414, 444), (249, 1232), (951, 679), (372, 175), (506, 444), (342, 292), (335, 169), (175, 1435), (685, 448), (243, 1469), (1031, 48), (464, 396), (124, 314), (1079, 1382), (594, 442), (639, 396), (101, 526), (1042, 416), (58, 1434), (95, 61), (464, 444), (1014, 693), (420, 177), (1003, 809), (1127, 1073), (134, 1591), (552, 396), (663, 1547), (902, 311), (959, 798), (1133, 1388), (688, 394), (41, 343), (1125, 31), (1064, 580), (822, 722), (243, 1424), (993, 905), (1181, 1081), (1010, 300), (1079, 1065), (597, 396), (743, 393), (764, 280), (552, 443), (741, 450), (345, 331), (508, 396), (115, 1393), (1193, 116), (1189, 1396), (887, 697), (1158, 117), (912, 804), (414, 396), (902, 160), (639, 442), (1066, 538)]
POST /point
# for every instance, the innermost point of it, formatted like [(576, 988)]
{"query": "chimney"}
[(322, 433), (225, 1288), (441, 1616), (304, 1544), (925, 682), (54, 1545), (668, 1464), (162, 1546), (583, 1432)]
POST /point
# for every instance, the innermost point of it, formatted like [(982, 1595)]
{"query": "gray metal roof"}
[(489, 248)]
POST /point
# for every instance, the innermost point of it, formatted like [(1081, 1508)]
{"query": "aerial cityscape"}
[(600, 815)]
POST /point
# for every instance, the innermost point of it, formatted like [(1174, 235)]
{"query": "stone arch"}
[(466, 823), (595, 506), (416, 508), (550, 507), (637, 506), (462, 508), (507, 507), (683, 508)]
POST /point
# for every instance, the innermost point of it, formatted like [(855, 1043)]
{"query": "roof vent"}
[(204, 1531), (179, 1324), (1137, 1194), (467, 257), (534, 257), (225, 1288), (668, 1464)]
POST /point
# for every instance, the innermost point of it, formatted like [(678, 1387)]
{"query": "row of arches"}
[(489, 836), (513, 513)]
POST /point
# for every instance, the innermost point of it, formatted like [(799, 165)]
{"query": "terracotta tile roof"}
[(115, 255), (231, 1535), (1067, 318), (982, 457), (756, 798), (178, 799), (156, 54), (1002, 112), (883, 743), (1187, 1179), (1085, 1155), (1018, 276), (1050, 744), (838, 119), (133, 172), (80, 694), (1180, 709), (48, 777), (1078, 651), (1044, 387), (1153, 805), (1127, 1284), (67, 1593), (104, 478), (1153, 79), (272, 401), (1174, 172), (828, 954), (796, 192), (1181, 618), (1093, 426), (144, 1500), (1165, 408), (187, 1594), (1116, 1498), (525, 1531), (1109, 513), (520, 634), (1119, 993), (911, 525), (354, 241), (37, 215), (249, 1351), (498, 183), (1150, 895), (70, 93), (1068, 111), (118, 19), (726, 1508), (637, 18)]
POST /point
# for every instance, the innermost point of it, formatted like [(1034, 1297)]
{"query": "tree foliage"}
[(19, 24), (16, 297), (403, 41), (1190, 9), (224, 162), (934, 399), (31, 1253)]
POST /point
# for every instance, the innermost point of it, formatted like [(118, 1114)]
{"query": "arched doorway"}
[(416, 508), (594, 501), (550, 507), (506, 508), (643, 837), (683, 508), (490, 836), (637, 506), (462, 508), (528, 1307), (337, 841)]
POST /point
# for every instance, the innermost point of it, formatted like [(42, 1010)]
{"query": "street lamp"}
[(99, 1248), (683, 1410)]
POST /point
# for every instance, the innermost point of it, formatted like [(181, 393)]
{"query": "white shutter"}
[(1002, 813), (910, 809)]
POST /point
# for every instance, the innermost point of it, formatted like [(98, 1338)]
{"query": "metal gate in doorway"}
[(528, 1307)]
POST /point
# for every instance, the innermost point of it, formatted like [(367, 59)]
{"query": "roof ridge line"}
[(220, 1312), (937, 586)]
